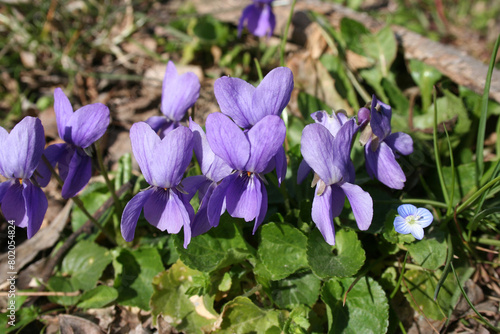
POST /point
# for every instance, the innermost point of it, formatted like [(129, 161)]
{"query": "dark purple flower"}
[(383, 147), (329, 157), (20, 153), (248, 153), (214, 169), (259, 18), (163, 163), (179, 93), (79, 129), (247, 105)]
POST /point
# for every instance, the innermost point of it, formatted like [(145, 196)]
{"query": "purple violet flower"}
[(248, 153), (163, 163), (21, 199), (383, 147), (247, 104), (333, 124), (179, 93), (259, 18), (412, 220), (79, 130), (329, 157), (214, 169)]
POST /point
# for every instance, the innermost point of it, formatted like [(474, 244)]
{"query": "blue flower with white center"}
[(412, 220)]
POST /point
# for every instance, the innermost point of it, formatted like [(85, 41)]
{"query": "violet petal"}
[(53, 153), (179, 92), (384, 166), (217, 200), (361, 204), (166, 211), (144, 140), (322, 216), (36, 206), (87, 125), (79, 173), (234, 97), (272, 95), (132, 212), (63, 110), (244, 197), (13, 206), (400, 142), (22, 149), (266, 138), (227, 141)]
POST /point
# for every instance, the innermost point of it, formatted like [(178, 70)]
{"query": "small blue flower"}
[(412, 220)]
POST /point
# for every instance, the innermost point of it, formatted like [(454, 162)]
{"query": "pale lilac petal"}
[(266, 138), (342, 149), (13, 206), (400, 142), (166, 211), (380, 120), (361, 204), (132, 212), (272, 95), (36, 206), (87, 125), (79, 173), (157, 122), (144, 140), (417, 231), (426, 217), (63, 110), (234, 97), (280, 159), (263, 209), (179, 92), (227, 141), (53, 153), (401, 226), (171, 157), (211, 165), (22, 149), (406, 210), (332, 123), (217, 200), (315, 138), (244, 197), (303, 171), (382, 163), (322, 214)]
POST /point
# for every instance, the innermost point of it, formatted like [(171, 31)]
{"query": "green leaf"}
[(421, 285), (343, 84), (85, 263), (219, 247), (92, 197), (98, 297), (282, 249), (430, 252), (342, 260), (309, 104), (297, 289), (134, 271), (242, 316), (426, 77), (62, 284), (366, 309), (451, 110), (193, 314), (298, 321)]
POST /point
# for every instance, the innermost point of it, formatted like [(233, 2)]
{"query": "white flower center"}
[(412, 219)]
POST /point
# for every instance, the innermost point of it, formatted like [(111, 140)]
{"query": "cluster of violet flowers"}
[(241, 145)]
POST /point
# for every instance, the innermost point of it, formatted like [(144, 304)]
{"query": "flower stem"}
[(75, 199), (109, 184), (478, 193)]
